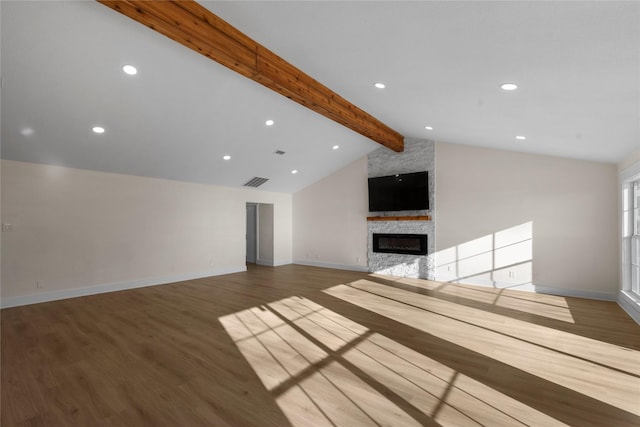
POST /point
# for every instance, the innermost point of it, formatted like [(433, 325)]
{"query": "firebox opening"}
[(411, 244)]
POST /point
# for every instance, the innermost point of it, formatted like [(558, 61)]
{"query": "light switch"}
[(7, 227)]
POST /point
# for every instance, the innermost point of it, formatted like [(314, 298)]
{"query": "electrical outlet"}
[(7, 228)]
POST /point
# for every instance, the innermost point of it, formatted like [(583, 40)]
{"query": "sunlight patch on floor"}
[(284, 361), (596, 369), (325, 369), (549, 306), (449, 397), (555, 308)]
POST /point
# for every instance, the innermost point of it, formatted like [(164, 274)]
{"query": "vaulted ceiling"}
[(577, 65)]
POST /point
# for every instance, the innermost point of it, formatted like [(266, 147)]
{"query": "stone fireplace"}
[(402, 256)]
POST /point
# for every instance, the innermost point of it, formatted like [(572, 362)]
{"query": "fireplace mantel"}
[(400, 218)]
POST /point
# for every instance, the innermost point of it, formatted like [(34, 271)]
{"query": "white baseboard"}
[(630, 304), (273, 263), (361, 268), (578, 293), (536, 288), (111, 287)]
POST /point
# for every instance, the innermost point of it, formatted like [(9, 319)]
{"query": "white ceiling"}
[(577, 64)]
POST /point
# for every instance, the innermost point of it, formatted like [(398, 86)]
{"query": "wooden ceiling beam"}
[(197, 28)]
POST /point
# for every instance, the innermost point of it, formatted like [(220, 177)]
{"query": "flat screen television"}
[(401, 192)]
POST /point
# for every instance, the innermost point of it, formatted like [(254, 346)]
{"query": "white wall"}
[(282, 226), (79, 232), (330, 220), (543, 223), (547, 221)]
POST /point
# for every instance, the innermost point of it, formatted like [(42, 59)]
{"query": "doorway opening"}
[(259, 235)]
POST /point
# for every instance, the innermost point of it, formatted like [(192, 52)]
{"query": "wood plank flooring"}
[(306, 346)]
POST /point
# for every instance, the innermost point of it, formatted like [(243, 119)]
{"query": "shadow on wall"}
[(503, 259)]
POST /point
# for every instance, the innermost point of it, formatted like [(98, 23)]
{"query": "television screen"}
[(401, 192)]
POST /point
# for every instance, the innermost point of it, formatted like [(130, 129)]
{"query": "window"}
[(635, 238), (630, 240)]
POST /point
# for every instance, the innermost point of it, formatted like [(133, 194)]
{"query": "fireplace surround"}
[(418, 155)]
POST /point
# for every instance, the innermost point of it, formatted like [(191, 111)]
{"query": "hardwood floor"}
[(305, 346)]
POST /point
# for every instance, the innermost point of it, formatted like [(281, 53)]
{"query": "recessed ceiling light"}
[(27, 131), (380, 85), (508, 86), (227, 157), (295, 171), (269, 122), (130, 69), (335, 147), (428, 128), (98, 129), (521, 138)]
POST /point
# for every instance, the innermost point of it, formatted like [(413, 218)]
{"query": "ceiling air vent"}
[(256, 182)]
